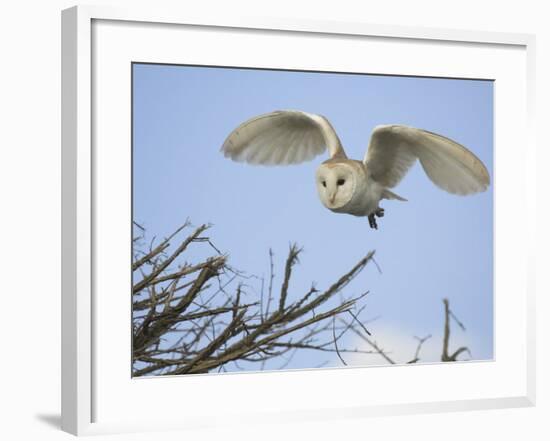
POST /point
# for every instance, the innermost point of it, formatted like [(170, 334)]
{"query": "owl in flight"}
[(347, 185)]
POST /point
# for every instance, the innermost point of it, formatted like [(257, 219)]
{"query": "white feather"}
[(394, 149), (282, 137)]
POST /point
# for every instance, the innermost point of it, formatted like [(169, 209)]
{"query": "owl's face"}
[(336, 184)]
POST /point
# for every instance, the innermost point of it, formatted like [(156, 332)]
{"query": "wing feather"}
[(452, 167), (282, 137)]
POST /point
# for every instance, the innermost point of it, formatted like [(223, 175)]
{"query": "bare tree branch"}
[(447, 333), (191, 317), (198, 316), (417, 353), (336, 341)]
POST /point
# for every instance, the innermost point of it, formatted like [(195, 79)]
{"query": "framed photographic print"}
[(253, 207)]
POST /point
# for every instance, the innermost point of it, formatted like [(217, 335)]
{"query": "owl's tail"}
[(386, 194)]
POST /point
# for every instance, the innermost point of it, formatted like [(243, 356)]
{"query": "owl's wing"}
[(393, 149), (282, 137)]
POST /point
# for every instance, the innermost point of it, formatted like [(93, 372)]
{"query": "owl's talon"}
[(379, 212), (372, 222)]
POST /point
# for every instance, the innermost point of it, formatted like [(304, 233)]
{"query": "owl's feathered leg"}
[(372, 218), (372, 222)]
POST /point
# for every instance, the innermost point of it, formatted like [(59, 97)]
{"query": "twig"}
[(336, 342), (418, 347), (447, 333)]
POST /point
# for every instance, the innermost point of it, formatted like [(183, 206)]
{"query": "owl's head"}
[(336, 183)]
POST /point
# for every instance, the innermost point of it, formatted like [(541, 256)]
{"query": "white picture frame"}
[(97, 42)]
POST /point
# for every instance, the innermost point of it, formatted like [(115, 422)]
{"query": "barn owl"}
[(351, 186)]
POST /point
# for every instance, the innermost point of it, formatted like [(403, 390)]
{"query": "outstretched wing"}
[(393, 149), (282, 137)]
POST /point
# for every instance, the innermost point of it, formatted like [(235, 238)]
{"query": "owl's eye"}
[(340, 182), (324, 183)]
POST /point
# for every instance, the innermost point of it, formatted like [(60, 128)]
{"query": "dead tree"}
[(198, 316)]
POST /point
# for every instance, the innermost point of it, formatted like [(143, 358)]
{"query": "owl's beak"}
[(332, 197)]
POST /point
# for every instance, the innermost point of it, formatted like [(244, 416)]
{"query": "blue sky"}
[(433, 246)]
